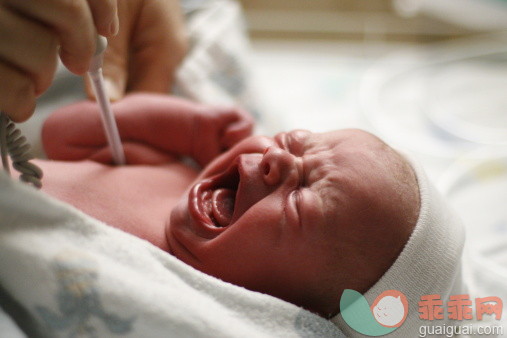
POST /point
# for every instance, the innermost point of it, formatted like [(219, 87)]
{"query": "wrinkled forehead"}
[(345, 165), (340, 147)]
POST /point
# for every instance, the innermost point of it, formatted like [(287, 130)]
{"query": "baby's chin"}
[(179, 219)]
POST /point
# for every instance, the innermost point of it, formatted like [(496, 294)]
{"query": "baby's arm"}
[(153, 129)]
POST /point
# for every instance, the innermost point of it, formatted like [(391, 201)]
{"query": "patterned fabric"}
[(79, 299)]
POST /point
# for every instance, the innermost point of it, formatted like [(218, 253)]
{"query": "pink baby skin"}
[(300, 216)]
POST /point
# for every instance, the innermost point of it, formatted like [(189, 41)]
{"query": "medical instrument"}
[(108, 121), (15, 144)]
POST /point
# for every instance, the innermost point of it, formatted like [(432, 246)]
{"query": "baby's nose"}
[(276, 165)]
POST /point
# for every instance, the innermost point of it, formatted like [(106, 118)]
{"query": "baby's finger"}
[(32, 48), (17, 94), (138, 153), (235, 133), (237, 125), (73, 23)]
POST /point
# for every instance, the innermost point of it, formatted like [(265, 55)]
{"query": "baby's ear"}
[(238, 126)]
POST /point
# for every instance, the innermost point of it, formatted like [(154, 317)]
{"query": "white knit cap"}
[(430, 262)]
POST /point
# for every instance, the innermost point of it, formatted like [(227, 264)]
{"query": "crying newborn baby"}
[(300, 216)]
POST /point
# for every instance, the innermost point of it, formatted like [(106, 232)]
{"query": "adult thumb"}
[(145, 54), (115, 65), (158, 45)]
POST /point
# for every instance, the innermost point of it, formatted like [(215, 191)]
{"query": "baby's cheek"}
[(178, 221)]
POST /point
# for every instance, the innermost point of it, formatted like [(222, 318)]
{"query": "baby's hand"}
[(153, 128), (181, 127), (218, 129)]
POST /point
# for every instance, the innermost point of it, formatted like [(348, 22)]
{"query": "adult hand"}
[(33, 33), (147, 50)]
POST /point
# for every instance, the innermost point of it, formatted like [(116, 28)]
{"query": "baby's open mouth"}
[(219, 197)]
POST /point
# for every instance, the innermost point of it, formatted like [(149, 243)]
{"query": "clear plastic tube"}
[(108, 121)]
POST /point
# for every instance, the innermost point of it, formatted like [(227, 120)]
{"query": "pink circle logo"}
[(390, 308)]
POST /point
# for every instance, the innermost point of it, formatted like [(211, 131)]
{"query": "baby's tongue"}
[(223, 205)]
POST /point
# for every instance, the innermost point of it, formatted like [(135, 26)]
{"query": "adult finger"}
[(73, 22), (105, 16), (31, 47), (116, 57), (17, 93)]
